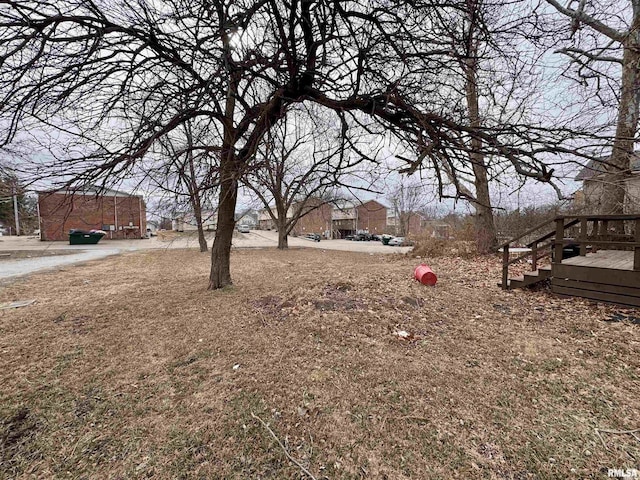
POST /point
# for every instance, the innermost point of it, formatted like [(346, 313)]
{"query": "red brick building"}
[(411, 222), (316, 221), (372, 217), (120, 214)]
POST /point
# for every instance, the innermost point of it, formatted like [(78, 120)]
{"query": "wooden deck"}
[(610, 274), (614, 259), (606, 275)]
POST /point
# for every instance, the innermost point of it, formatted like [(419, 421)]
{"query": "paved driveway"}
[(254, 239), (25, 266), (270, 238)]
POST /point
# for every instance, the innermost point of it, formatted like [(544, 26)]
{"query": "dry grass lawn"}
[(124, 368)]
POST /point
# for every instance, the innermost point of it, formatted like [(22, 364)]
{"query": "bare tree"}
[(299, 168), (407, 198), (185, 170), (496, 87), (612, 26), (84, 74)]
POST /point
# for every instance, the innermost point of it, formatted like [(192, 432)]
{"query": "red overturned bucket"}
[(425, 275)]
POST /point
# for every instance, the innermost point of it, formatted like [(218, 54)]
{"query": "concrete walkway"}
[(25, 266)]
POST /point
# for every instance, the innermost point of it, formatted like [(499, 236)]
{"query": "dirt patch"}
[(17, 429), (360, 371)]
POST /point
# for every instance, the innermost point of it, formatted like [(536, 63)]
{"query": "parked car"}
[(349, 237), (243, 228), (400, 242)]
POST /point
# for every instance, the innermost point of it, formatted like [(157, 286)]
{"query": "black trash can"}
[(568, 251), (84, 237)]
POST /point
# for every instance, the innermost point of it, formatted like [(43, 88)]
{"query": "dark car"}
[(313, 236), (349, 237)]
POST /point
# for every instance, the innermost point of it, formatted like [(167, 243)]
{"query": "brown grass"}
[(428, 247), (124, 369)]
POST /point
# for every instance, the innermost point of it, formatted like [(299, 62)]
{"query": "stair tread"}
[(529, 278), (538, 273)]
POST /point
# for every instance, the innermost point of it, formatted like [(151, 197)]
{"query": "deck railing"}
[(594, 231)]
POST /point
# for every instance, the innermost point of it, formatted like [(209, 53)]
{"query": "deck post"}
[(636, 249), (559, 240), (594, 233), (534, 256), (505, 267), (583, 237)]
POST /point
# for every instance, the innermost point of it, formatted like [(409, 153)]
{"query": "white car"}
[(400, 242), (243, 228)]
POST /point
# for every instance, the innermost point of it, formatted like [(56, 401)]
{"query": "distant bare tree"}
[(484, 39), (612, 38), (298, 169), (183, 169), (408, 199)]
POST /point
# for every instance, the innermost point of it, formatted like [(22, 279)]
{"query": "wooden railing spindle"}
[(505, 267), (583, 237), (559, 241)]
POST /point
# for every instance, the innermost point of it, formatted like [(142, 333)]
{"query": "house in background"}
[(592, 177), (122, 215), (316, 220), (349, 218), (412, 222), (371, 217), (343, 219), (247, 217), (265, 222), (186, 221), (336, 220)]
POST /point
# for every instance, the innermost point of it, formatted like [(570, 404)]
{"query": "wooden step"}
[(529, 278)]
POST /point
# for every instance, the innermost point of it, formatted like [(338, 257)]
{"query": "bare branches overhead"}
[(113, 78)]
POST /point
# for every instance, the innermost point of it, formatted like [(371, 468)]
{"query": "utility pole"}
[(15, 209)]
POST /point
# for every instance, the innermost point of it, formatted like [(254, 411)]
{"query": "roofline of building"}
[(90, 190)]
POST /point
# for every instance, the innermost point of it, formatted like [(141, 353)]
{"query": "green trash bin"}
[(83, 237)]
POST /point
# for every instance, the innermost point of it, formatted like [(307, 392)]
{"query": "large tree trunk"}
[(618, 167), (486, 237), (283, 238), (221, 251), (283, 231), (220, 275)]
